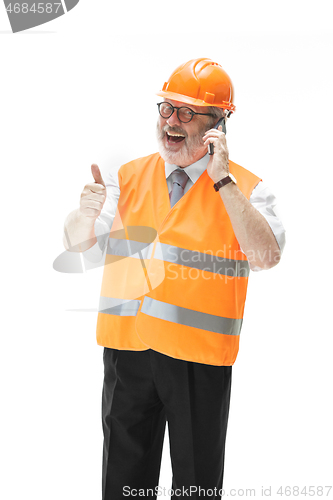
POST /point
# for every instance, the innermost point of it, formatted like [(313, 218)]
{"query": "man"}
[(185, 227)]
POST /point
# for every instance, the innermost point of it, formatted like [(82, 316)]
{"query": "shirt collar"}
[(193, 171)]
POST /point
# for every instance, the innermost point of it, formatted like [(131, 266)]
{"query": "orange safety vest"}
[(174, 280)]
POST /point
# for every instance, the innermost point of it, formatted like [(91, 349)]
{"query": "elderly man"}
[(184, 227)]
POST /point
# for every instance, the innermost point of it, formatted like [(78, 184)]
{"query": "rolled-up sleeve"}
[(265, 202)]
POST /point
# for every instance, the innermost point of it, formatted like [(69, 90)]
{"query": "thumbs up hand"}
[(93, 195)]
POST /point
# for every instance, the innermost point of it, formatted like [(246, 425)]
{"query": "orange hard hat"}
[(200, 82)]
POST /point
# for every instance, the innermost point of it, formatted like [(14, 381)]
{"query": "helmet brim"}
[(195, 102)]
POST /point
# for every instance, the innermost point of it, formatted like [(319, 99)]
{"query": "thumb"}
[(97, 174)]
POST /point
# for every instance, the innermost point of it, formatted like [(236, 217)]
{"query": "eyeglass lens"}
[(184, 114)]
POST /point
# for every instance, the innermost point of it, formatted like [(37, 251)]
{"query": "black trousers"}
[(144, 389)]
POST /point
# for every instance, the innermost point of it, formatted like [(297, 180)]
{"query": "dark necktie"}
[(179, 180)]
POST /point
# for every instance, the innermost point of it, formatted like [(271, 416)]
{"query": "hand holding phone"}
[(224, 130)]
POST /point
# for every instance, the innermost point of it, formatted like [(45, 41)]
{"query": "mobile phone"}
[(210, 145)]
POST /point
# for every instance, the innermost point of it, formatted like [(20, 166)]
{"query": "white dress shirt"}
[(261, 198)]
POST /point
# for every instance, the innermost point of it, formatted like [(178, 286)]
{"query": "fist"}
[(93, 195)]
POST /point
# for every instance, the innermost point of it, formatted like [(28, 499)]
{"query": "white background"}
[(68, 89)]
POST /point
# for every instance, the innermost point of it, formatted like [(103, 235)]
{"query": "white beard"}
[(189, 152)]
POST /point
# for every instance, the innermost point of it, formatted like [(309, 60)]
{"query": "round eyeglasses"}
[(184, 114)]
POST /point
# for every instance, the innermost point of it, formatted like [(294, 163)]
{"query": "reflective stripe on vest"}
[(189, 317), (181, 256), (203, 261), (128, 248), (118, 307)]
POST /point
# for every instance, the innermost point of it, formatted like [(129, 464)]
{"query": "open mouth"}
[(174, 138)]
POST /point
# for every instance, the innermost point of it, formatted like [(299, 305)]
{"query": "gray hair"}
[(217, 113)]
